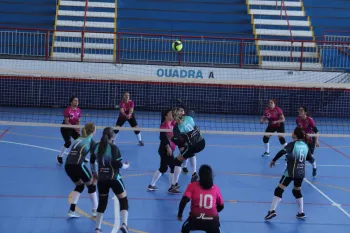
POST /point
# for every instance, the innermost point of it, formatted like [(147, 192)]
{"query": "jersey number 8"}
[(203, 201)]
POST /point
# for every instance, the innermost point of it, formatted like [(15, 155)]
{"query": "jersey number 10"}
[(203, 201)]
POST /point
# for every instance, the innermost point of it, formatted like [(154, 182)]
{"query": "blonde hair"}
[(88, 129), (178, 117)]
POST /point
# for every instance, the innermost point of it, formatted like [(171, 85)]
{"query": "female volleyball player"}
[(276, 119), (126, 113), (297, 152), (206, 203), (190, 141), (78, 172), (109, 162), (305, 122), (166, 151), (72, 116)]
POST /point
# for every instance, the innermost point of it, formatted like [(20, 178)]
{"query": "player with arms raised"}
[(72, 116), (126, 113), (305, 122), (206, 203), (297, 152), (276, 119)]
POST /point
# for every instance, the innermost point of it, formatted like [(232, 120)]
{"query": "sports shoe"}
[(59, 159), (314, 172), (152, 188), (94, 212), (194, 177), (73, 214), (301, 215), (98, 230), (184, 170), (266, 154), (124, 228), (173, 190), (141, 143), (270, 215)]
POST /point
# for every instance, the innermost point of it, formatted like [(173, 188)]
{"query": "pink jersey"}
[(307, 125), (169, 125), (273, 115), (126, 106), (203, 201), (73, 114)]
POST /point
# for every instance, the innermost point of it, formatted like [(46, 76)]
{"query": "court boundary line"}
[(4, 132), (328, 198), (336, 150)]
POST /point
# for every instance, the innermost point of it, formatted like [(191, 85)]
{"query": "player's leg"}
[(133, 123), (282, 139), (266, 140), (103, 190), (120, 122), (184, 166), (187, 226), (86, 177), (66, 135), (185, 153), (299, 197), (283, 184), (119, 190), (193, 160), (312, 144), (163, 167), (73, 172)]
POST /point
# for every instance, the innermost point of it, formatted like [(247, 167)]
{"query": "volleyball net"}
[(38, 97)]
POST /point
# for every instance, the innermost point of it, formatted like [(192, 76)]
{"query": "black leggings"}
[(194, 224), (165, 160), (121, 120)]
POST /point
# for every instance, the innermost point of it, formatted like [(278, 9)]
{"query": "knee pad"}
[(67, 144), (266, 139), (163, 169), (116, 131), (177, 163), (282, 140), (136, 132), (172, 168), (278, 192), (79, 188), (124, 203), (297, 193), (91, 188), (102, 204)]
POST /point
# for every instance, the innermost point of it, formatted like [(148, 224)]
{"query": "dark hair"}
[(206, 180), (306, 110), (300, 134), (164, 113), (72, 98), (274, 101), (107, 134)]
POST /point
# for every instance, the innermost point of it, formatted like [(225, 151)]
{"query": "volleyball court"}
[(35, 189)]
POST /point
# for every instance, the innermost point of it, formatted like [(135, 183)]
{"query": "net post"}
[(47, 42), (82, 46)]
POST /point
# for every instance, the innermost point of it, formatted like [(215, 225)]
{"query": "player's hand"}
[(179, 218), (272, 164), (94, 178), (317, 144), (126, 165), (262, 121), (169, 151)]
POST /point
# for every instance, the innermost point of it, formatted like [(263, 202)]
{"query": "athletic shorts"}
[(190, 151), (78, 172), (312, 144), (286, 180), (117, 186), (121, 120), (279, 129), (67, 133), (195, 224)]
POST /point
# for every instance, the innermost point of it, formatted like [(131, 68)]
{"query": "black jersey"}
[(109, 164), (80, 148)]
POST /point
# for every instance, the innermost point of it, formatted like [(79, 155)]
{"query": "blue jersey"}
[(297, 152), (110, 162), (187, 132), (80, 148)]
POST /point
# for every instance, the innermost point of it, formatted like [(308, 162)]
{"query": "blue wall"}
[(49, 92)]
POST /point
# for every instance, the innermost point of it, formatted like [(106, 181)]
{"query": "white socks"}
[(138, 137), (75, 197), (313, 164), (300, 202), (63, 150), (177, 171), (171, 178), (267, 147), (124, 216), (193, 162), (184, 164), (94, 201), (155, 178), (99, 217), (284, 145), (275, 202)]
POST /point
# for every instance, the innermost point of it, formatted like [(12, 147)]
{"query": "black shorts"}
[(67, 133), (312, 144), (165, 159), (121, 120), (78, 172), (286, 180), (194, 224), (191, 151), (117, 186), (279, 129)]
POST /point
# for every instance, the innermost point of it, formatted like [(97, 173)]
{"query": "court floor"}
[(35, 189)]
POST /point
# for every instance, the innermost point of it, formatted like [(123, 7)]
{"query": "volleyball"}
[(177, 46)]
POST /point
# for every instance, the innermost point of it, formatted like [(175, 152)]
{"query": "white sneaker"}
[(72, 214), (94, 212)]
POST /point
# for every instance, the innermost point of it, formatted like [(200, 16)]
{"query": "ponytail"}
[(83, 133), (88, 129), (106, 136)]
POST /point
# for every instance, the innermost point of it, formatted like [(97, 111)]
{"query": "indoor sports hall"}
[(223, 61)]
